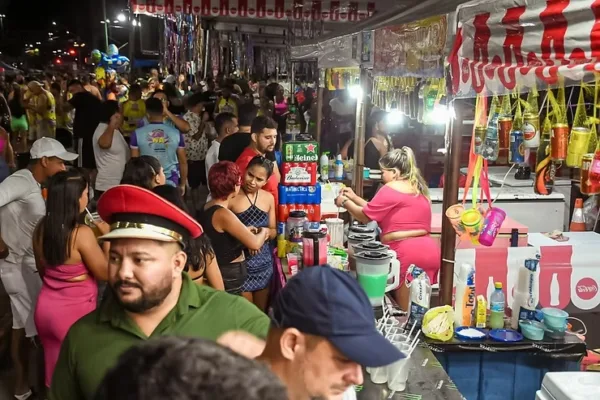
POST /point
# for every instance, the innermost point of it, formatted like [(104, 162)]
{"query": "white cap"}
[(48, 147), (170, 79)]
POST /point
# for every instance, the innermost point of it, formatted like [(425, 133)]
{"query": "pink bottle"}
[(491, 225)]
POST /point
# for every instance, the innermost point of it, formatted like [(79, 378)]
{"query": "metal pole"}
[(450, 197), (206, 51), (131, 42), (106, 22), (359, 135)]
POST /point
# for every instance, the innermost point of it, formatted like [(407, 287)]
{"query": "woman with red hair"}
[(228, 235)]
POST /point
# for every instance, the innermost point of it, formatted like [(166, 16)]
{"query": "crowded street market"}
[(301, 200)]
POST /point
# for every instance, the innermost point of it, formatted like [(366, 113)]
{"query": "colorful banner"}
[(507, 43), (415, 49), (317, 10)]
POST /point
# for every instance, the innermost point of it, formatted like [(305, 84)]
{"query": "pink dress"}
[(394, 211), (59, 305)]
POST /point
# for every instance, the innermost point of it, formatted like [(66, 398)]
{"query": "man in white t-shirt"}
[(111, 151), (21, 207), (225, 124)]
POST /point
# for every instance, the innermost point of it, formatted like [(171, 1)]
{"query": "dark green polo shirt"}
[(95, 342)]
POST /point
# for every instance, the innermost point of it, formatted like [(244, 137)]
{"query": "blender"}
[(353, 240), (373, 270), (314, 248)]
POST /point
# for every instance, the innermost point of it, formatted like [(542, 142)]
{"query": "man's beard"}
[(147, 300)]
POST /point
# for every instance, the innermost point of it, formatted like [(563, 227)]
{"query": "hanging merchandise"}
[(489, 149), (341, 78), (560, 128), (531, 120), (580, 133), (544, 168)]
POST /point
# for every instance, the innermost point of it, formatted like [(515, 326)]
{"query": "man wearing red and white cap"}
[(150, 294), (21, 207)]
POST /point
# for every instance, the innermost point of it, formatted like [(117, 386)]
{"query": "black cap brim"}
[(371, 350)]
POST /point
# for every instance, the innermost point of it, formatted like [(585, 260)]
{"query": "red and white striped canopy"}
[(327, 10)]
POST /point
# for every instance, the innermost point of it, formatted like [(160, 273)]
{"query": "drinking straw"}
[(415, 340), (413, 347), (408, 354), (411, 330), (89, 215)]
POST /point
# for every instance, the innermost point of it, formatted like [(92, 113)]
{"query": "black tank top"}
[(226, 247)]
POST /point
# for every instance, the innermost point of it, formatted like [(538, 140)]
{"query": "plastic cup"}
[(555, 318), (454, 213), (335, 227), (391, 326), (472, 221), (398, 375), (379, 375)]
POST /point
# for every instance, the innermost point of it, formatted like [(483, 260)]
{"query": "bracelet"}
[(344, 202)]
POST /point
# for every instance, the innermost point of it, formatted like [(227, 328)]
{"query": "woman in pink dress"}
[(402, 210), (69, 260)]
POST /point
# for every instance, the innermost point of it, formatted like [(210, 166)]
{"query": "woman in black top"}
[(377, 144), (227, 234)]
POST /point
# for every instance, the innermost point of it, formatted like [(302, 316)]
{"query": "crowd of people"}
[(185, 183)]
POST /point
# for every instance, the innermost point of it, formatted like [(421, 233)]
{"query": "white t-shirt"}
[(21, 208), (212, 157), (110, 162)]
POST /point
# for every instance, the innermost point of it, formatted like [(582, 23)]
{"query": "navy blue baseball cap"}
[(329, 303)]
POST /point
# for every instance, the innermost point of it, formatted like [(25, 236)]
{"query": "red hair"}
[(222, 179)]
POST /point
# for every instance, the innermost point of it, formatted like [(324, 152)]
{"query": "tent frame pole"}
[(359, 135)]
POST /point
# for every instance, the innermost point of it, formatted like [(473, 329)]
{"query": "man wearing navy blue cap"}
[(322, 331)]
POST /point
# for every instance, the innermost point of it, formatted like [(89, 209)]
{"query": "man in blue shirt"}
[(164, 142)]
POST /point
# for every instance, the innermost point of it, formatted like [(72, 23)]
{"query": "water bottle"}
[(497, 305), (339, 168), (464, 301), (490, 147), (420, 295)]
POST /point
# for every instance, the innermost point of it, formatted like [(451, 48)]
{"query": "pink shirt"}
[(395, 211)]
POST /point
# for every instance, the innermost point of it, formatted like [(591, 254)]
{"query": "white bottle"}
[(420, 295), (339, 167), (490, 290), (324, 167), (554, 291), (527, 292), (465, 299)]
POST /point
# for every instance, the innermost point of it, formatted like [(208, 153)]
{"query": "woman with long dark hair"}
[(377, 144), (256, 208), (202, 264), (69, 260)]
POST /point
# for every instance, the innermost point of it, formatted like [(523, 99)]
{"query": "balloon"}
[(111, 59), (96, 56)]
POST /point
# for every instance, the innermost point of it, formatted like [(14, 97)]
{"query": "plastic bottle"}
[(490, 147), (527, 292), (420, 295), (339, 167), (494, 219), (497, 304), (464, 302), (324, 166)]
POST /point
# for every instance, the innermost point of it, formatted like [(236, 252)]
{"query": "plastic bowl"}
[(555, 318), (532, 330)]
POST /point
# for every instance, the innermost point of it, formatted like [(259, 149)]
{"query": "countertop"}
[(506, 193)]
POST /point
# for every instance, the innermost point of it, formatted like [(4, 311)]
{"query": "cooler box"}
[(502, 240), (570, 386)]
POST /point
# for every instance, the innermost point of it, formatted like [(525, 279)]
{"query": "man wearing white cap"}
[(21, 207)]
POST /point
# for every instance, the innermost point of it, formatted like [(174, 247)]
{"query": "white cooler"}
[(570, 386)]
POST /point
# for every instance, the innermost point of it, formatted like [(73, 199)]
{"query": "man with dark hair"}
[(150, 295), (133, 110), (226, 125), (264, 136), (188, 369), (164, 142), (232, 146), (88, 109), (21, 207)]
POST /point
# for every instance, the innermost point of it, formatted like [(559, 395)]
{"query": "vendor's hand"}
[(340, 199), (348, 192), (102, 226), (254, 230)]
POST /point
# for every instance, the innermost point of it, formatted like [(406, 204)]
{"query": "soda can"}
[(281, 231), (578, 144), (504, 128), (480, 132), (517, 149), (558, 142), (531, 130), (584, 174)]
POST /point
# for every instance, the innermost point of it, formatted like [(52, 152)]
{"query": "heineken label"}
[(301, 152)]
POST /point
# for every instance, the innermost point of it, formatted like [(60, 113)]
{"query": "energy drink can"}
[(504, 127), (517, 148), (558, 142), (531, 130)]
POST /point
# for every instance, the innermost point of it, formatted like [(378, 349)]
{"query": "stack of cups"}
[(335, 227)]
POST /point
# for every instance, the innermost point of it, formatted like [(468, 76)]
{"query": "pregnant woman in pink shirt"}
[(69, 260), (402, 210)]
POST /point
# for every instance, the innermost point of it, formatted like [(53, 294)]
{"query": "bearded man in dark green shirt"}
[(150, 294)]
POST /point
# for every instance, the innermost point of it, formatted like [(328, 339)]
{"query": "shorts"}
[(86, 157), (234, 275), (23, 285), (19, 124), (44, 128), (196, 173)]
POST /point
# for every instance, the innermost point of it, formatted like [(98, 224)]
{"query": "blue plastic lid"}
[(505, 335)]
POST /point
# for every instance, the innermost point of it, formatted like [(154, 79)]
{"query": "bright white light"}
[(38, 43), (53, 51), (121, 17), (107, 21), (115, 22), (443, 114), (395, 117), (53, 23), (355, 91), (67, 32), (30, 45), (82, 44), (134, 22), (102, 22), (50, 33)]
